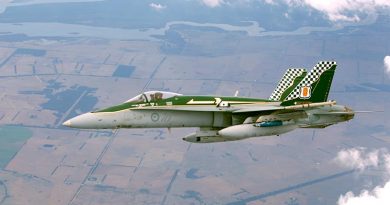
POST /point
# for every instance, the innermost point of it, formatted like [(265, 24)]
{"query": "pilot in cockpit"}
[(156, 96)]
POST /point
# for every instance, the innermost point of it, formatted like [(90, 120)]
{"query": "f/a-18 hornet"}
[(299, 101)]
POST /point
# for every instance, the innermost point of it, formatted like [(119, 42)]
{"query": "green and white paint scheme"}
[(299, 101)]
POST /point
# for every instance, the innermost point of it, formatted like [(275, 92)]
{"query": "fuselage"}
[(176, 111), (299, 101), (216, 114)]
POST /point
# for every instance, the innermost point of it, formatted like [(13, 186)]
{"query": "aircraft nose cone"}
[(89, 121), (67, 123)]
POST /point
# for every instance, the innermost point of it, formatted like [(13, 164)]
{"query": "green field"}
[(11, 140)]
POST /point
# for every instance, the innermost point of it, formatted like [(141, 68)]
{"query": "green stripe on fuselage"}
[(184, 100)]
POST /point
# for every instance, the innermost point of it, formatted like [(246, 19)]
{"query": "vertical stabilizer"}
[(315, 86), (288, 82)]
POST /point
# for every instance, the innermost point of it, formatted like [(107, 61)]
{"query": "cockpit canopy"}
[(151, 96)]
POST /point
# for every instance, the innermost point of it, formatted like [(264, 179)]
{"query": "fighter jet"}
[(300, 100)]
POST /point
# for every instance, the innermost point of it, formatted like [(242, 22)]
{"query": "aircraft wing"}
[(241, 109), (334, 113), (291, 107), (258, 109), (195, 108)]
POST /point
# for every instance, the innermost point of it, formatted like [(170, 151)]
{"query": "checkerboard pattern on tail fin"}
[(287, 82), (315, 86)]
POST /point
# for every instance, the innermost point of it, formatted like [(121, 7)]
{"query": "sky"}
[(335, 10), (386, 62)]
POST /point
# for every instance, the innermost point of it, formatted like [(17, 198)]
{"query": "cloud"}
[(157, 7), (378, 196), (386, 62), (212, 3), (3, 5), (270, 2), (343, 10), (334, 10), (358, 158)]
